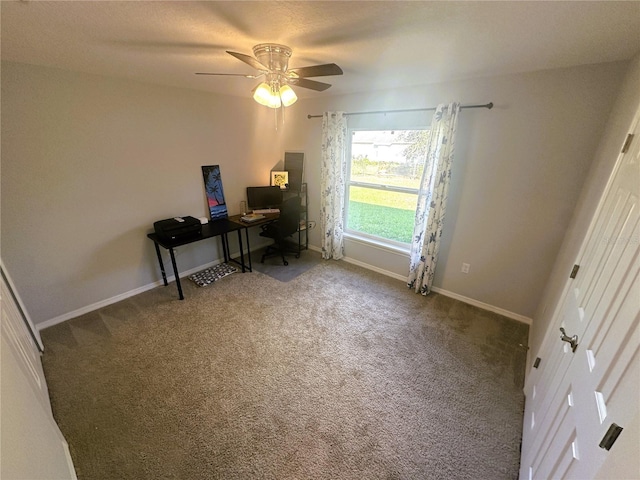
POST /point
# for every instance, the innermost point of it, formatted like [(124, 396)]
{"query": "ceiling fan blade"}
[(248, 60), (230, 74), (311, 84), (317, 70)]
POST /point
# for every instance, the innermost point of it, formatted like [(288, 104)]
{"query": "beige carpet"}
[(339, 373)]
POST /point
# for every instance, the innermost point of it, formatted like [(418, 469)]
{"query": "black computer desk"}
[(218, 228), (268, 218)]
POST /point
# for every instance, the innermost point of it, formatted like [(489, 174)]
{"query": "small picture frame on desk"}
[(280, 179)]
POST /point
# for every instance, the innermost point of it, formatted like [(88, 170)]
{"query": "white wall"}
[(517, 173), (609, 146), (90, 162)]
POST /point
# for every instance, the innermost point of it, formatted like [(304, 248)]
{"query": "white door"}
[(31, 445), (20, 305), (575, 398)]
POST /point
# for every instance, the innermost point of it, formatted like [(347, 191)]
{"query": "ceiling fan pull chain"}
[(275, 118), (282, 108)]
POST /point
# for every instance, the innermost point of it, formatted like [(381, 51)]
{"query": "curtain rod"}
[(488, 105)]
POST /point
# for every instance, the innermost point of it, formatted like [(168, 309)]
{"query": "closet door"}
[(588, 384), (31, 444)]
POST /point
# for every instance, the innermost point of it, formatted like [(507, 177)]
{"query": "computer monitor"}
[(264, 197)]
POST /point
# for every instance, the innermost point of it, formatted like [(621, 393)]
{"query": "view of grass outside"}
[(382, 214), (383, 162)]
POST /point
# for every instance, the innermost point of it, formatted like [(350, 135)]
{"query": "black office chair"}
[(280, 230)]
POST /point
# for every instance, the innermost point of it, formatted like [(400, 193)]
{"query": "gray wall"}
[(90, 162), (607, 153), (517, 174)]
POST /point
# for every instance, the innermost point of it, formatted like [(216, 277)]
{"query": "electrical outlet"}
[(311, 224), (465, 268)]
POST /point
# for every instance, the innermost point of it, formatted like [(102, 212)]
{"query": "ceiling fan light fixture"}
[(265, 95), (271, 60), (273, 55), (288, 96)]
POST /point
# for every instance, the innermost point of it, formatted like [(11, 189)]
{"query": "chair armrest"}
[(270, 230)]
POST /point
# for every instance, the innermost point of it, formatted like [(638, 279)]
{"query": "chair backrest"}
[(289, 219)]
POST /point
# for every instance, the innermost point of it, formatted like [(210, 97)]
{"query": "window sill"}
[(377, 244)]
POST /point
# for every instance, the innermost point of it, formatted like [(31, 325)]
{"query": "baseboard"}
[(368, 266), (170, 278), (123, 296), (484, 306), (446, 293), (67, 454), (102, 303), (375, 269), (118, 298)]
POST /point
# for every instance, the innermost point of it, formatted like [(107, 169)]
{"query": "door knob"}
[(573, 341)]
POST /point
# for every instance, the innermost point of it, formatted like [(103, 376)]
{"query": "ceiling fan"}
[(272, 62)]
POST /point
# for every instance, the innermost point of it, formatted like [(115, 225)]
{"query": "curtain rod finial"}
[(490, 105)]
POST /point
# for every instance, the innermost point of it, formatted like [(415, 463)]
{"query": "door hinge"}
[(627, 143), (610, 437), (574, 272)]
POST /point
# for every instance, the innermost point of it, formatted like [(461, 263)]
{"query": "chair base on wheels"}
[(273, 250), (284, 227)]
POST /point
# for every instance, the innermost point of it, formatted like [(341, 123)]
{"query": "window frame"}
[(364, 237)]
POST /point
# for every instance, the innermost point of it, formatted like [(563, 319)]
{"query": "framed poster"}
[(280, 179), (215, 194)]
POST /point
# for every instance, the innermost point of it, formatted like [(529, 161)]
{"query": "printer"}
[(177, 228)]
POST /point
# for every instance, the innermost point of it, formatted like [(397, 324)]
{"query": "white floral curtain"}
[(432, 198), (333, 173)]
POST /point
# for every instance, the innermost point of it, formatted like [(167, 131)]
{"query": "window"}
[(384, 175)]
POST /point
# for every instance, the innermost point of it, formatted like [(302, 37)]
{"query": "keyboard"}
[(267, 210)]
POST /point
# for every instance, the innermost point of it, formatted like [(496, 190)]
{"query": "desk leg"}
[(246, 235), (175, 272), (241, 250), (164, 274), (225, 247)]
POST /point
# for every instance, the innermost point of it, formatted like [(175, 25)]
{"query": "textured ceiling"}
[(377, 44)]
